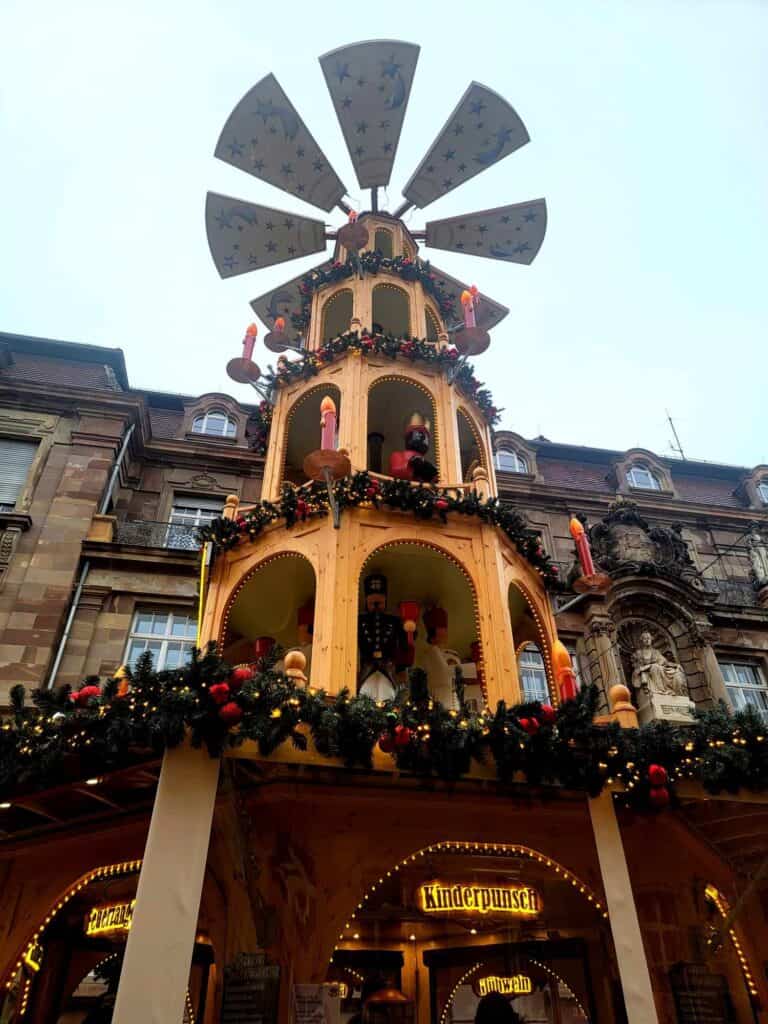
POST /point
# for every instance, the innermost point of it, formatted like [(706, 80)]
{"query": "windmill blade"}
[(482, 130), (488, 312), (513, 233), (370, 84), (285, 300), (243, 236), (265, 136)]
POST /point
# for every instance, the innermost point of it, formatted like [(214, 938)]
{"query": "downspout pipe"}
[(103, 506)]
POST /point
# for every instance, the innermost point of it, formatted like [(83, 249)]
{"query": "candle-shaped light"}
[(352, 216), (579, 535), (249, 341), (328, 424), (468, 302), (280, 324)]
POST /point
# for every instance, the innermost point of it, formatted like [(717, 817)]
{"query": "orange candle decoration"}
[(352, 216), (280, 324), (579, 535), (328, 424), (468, 302), (565, 677), (249, 341)]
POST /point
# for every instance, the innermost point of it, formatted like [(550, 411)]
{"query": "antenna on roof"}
[(676, 447)]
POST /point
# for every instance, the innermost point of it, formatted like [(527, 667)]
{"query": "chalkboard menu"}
[(251, 989), (701, 997)]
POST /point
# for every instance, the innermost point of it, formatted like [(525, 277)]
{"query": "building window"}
[(533, 674), (168, 635), (746, 686), (509, 462), (15, 459), (187, 515), (762, 490), (639, 476), (576, 662), (215, 423)]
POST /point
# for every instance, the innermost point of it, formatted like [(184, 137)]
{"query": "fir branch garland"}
[(424, 501), (64, 734)]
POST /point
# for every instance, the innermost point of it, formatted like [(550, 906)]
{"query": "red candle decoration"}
[(249, 341), (328, 424), (468, 302), (262, 646), (352, 216), (280, 324), (579, 535)]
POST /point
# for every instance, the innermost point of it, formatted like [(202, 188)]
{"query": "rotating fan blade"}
[(285, 300), (488, 312), (512, 233), (482, 130), (265, 136), (243, 236), (370, 84)]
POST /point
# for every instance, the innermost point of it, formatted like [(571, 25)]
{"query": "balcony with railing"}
[(146, 533)]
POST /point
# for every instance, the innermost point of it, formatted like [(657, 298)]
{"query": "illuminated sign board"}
[(111, 917), (515, 985), (458, 898)]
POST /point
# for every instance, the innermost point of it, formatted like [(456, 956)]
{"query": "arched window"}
[(382, 242), (533, 674), (337, 313), (433, 325), (762, 490), (641, 476), (215, 423), (509, 461), (391, 310)]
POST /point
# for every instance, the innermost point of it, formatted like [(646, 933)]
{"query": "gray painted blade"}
[(285, 300), (370, 84), (488, 312), (243, 236), (265, 136), (482, 130), (513, 233)]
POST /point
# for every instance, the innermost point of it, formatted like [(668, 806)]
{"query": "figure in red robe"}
[(411, 464)]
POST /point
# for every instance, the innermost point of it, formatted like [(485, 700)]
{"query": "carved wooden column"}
[(600, 644)]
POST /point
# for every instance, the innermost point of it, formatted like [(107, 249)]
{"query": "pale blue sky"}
[(649, 142)]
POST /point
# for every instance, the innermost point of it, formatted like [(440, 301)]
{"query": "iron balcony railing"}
[(145, 533)]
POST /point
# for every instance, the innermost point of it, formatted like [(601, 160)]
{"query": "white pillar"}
[(627, 939), (158, 953)]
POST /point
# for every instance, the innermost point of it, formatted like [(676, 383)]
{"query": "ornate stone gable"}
[(624, 543)]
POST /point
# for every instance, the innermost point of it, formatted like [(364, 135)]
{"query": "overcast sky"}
[(648, 140)]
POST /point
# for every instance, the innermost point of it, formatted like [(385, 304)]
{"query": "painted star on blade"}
[(449, 154), (522, 248), (503, 135), (318, 165), (258, 166), (229, 262), (476, 107), (462, 168), (346, 102), (300, 152), (289, 222), (342, 72), (253, 259), (385, 124), (286, 169), (300, 189), (458, 129), (236, 148), (430, 168), (389, 68), (361, 127), (506, 219), (447, 182), (269, 226), (271, 246), (530, 216), (360, 83), (359, 150), (387, 147), (222, 219)]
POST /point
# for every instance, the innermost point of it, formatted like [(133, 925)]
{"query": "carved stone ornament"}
[(625, 544), (757, 548)]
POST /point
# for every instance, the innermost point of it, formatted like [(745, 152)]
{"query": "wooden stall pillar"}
[(158, 954), (625, 926)]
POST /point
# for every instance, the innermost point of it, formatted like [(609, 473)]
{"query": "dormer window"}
[(215, 423), (640, 476), (509, 461), (762, 490)]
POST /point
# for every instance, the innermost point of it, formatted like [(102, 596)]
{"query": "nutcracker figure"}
[(411, 464), (382, 641)]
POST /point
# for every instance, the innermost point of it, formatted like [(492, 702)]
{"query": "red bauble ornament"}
[(83, 695), (372, 491), (240, 675), (525, 724), (659, 797), (441, 504), (657, 775), (219, 693), (301, 508), (231, 713), (402, 736), (533, 726), (386, 743), (547, 714)]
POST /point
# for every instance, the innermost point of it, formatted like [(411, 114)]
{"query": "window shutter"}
[(15, 459)]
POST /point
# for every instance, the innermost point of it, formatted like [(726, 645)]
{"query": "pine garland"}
[(257, 428), (368, 343), (424, 501), (73, 734)]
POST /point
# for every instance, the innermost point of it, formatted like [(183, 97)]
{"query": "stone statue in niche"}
[(757, 550), (658, 680), (653, 673)]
